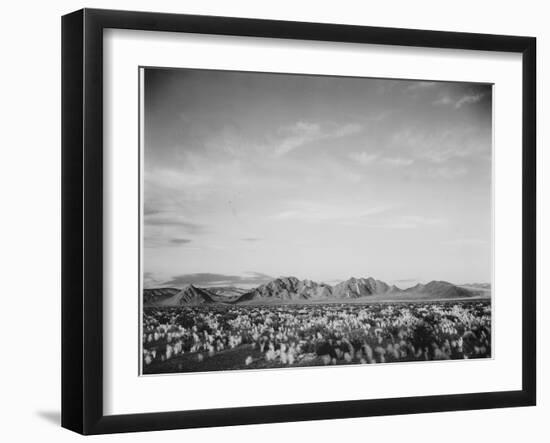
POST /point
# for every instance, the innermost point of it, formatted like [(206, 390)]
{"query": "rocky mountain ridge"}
[(292, 290)]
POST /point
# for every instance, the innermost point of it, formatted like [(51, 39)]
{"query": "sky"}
[(251, 176)]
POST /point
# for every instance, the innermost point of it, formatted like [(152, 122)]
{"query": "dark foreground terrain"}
[(220, 337)]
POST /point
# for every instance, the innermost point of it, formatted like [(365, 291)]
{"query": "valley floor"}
[(221, 337)]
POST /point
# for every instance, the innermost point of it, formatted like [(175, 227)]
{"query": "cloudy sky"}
[(249, 176)]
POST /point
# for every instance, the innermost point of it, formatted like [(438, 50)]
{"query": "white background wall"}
[(30, 218)]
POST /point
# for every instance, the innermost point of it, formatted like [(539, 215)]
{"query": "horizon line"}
[(336, 282)]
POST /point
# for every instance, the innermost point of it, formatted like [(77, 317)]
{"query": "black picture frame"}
[(82, 220)]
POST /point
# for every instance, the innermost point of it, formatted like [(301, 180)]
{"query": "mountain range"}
[(292, 290)]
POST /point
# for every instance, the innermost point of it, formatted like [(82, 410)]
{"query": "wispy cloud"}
[(443, 146), (303, 133), (468, 99), (420, 85), (297, 135), (443, 100), (458, 102), (171, 219), (210, 279), (167, 178), (442, 154), (364, 158), (311, 212), (190, 178), (160, 239), (398, 161), (345, 130), (149, 210), (170, 229), (180, 241), (251, 239), (406, 222)]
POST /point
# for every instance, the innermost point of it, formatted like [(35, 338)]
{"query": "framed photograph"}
[(268, 221)]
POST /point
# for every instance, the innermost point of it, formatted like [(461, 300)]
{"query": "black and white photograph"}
[(304, 220)]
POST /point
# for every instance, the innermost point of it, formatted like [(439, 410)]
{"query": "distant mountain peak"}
[(359, 287), (290, 289), (394, 289), (187, 295)]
